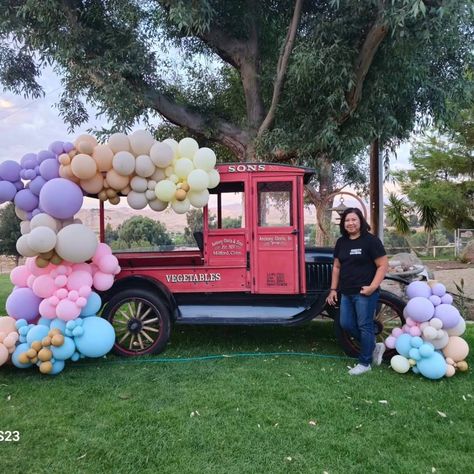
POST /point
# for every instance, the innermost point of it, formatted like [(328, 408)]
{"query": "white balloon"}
[(25, 227), (169, 171), (440, 342), (42, 239), (138, 184), (41, 220), (141, 141), (150, 194), (400, 364), (459, 329), (161, 154), (165, 190), (173, 178), (144, 166), (198, 198), (123, 163), (181, 207), (430, 333), (174, 145), (158, 175), (23, 247), (436, 323), (158, 205), (204, 159), (198, 180), (76, 243), (137, 200), (151, 184), (187, 147), (119, 142), (21, 214), (183, 167), (214, 178)]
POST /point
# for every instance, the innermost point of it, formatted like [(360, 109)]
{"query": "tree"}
[(139, 231), (9, 231)]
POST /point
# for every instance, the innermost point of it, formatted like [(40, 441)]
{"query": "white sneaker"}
[(359, 369), (378, 353)]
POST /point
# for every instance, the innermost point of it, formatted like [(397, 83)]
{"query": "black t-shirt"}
[(357, 259)]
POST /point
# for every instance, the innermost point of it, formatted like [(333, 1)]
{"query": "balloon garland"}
[(52, 310), (429, 343)]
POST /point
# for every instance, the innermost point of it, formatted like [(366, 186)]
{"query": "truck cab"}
[(256, 271)]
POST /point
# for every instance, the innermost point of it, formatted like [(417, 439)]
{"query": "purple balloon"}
[(56, 147), (447, 299), (448, 314), (61, 198), (49, 169), (36, 185), (26, 200), (19, 185), (35, 212), (10, 171), (420, 309), (67, 147), (29, 174), (23, 304), (7, 191), (436, 300), (45, 155), (28, 161), (418, 288), (438, 289)]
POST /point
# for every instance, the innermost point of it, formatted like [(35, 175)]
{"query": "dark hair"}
[(364, 227)]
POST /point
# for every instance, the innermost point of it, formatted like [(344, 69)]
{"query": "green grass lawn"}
[(262, 414)]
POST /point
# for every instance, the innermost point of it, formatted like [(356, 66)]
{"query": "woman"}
[(360, 264)]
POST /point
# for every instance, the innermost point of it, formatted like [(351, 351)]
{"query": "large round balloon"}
[(433, 367), (420, 309), (97, 339), (61, 198), (76, 243), (418, 288), (20, 349), (456, 349), (448, 314), (400, 364), (23, 304)]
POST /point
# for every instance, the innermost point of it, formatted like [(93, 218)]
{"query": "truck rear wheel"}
[(389, 315), (141, 322)]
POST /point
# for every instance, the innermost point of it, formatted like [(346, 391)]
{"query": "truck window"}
[(227, 206), (274, 204)]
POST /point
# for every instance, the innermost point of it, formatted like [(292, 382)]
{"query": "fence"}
[(433, 250)]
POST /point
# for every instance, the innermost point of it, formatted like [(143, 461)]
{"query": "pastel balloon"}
[(56, 147), (448, 314), (173, 144), (37, 333), (390, 342), (93, 185), (158, 205), (85, 143), (183, 167), (144, 167), (76, 243), (67, 310), (78, 279), (58, 366), (65, 351), (97, 339), (137, 200), (44, 220), (7, 191), (198, 198), (58, 324), (44, 286), (436, 300), (10, 171), (187, 147), (181, 207), (20, 349), (204, 159), (438, 289), (214, 179), (93, 305), (116, 180), (23, 304), (141, 141), (47, 310), (403, 344), (103, 156), (459, 329), (119, 142), (139, 184), (161, 154), (456, 349), (165, 190), (49, 169), (70, 200), (45, 155), (450, 370), (418, 288), (26, 200), (415, 331), (108, 264), (198, 180), (42, 239), (4, 354), (7, 324), (447, 299), (441, 339), (123, 163), (103, 281), (19, 276), (400, 364), (420, 309), (433, 367)]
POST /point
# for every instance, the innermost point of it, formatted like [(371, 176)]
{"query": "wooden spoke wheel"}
[(141, 322)]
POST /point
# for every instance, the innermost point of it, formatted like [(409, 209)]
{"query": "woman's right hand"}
[(332, 298)]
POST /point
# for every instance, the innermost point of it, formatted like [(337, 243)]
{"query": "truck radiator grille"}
[(318, 276)]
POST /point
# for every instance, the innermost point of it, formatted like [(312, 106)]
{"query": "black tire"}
[(135, 335), (389, 315)]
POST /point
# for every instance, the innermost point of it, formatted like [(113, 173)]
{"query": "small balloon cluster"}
[(8, 338), (429, 343), (148, 172)]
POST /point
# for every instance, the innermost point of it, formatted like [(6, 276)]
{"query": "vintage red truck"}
[(257, 274)]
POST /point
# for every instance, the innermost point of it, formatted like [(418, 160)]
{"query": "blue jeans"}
[(357, 318)]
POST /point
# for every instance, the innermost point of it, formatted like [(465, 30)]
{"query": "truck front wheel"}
[(140, 320), (389, 315)]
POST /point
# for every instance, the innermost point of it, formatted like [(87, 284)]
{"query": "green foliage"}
[(9, 230), (397, 210)]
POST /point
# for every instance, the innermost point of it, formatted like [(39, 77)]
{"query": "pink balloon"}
[(103, 281), (82, 267), (73, 295), (60, 281), (67, 310), (47, 310), (410, 322), (396, 332), (108, 264), (406, 328), (44, 286), (415, 331), (53, 301), (81, 302), (78, 279), (30, 263), (19, 276), (30, 280), (61, 293), (62, 270), (390, 342), (85, 291), (101, 251)]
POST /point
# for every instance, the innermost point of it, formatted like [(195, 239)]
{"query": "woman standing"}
[(360, 264)]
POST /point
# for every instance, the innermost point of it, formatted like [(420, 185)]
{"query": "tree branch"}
[(282, 67)]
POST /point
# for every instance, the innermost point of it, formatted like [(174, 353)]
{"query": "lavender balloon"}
[(418, 288), (436, 300), (10, 171), (67, 147), (438, 289), (7, 191), (447, 299), (29, 161), (36, 185), (448, 314), (26, 200), (61, 198), (49, 169), (420, 309), (45, 155), (56, 147), (19, 185), (23, 304)]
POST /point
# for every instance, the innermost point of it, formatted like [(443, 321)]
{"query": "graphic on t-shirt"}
[(355, 252)]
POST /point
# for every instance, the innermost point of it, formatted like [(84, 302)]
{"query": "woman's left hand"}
[(367, 290)]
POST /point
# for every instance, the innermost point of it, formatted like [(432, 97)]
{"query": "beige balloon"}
[(103, 156), (141, 141), (85, 138), (119, 142), (117, 181), (93, 185)]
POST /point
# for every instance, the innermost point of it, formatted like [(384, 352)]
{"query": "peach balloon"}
[(117, 181), (7, 324), (3, 354), (457, 349), (85, 138), (93, 185), (103, 156), (84, 166)]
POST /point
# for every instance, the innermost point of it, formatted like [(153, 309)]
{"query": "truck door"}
[(275, 238)]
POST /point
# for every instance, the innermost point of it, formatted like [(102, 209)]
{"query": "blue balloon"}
[(65, 351), (44, 322), (58, 324), (58, 366), (414, 354), (94, 302), (98, 337), (19, 350), (37, 333), (426, 350), (416, 341), (433, 367), (403, 345)]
